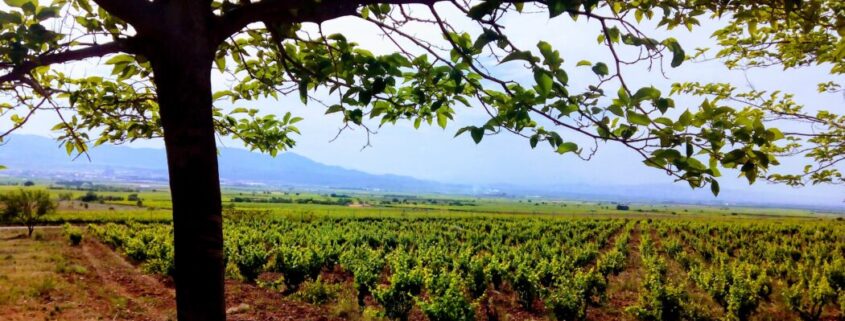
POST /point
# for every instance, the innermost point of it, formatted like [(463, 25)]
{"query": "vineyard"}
[(516, 268)]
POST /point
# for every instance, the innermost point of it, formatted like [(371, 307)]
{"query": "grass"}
[(157, 207), (28, 267)]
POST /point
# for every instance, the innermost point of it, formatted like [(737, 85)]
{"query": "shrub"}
[(573, 295), (817, 288), (525, 283), (658, 300), (446, 301), (739, 288), (89, 197), (317, 291), (612, 263), (366, 265), (565, 304), (74, 234), (296, 265), (249, 257), (398, 297), (26, 207), (478, 278)]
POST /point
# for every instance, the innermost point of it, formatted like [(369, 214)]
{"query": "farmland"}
[(405, 257)]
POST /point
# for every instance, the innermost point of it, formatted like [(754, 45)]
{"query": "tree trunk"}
[(182, 67)]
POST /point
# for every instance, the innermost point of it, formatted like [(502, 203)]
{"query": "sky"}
[(434, 154)]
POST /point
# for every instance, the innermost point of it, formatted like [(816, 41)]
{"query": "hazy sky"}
[(433, 153)]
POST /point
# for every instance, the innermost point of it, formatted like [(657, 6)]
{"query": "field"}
[(354, 256)]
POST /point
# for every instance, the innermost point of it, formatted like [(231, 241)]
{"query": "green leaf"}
[(221, 63), (120, 59), (334, 109), (356, 115), (714, 187), (462, 130), (20, 3), (45, 13), (663, 104), (647, 93), (774, 134), (544, 81), (584, 63), (518, 55), (477, 134), (638, 119), (678, 55), (600, 69), (567, 147), (685, 119), (482, 9), (562, 77), (10, 17), (442, 119), (485, 38), (545, 49), (733, 156), (616, 110), (365, 97), (220, 94), (557, 7)]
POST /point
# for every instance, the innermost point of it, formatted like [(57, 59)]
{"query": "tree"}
[(162, 55), (26, 207)]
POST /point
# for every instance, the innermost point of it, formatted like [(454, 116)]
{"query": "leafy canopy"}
[(274, 48)]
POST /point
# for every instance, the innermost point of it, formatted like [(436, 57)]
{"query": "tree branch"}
[(296, 11), (19, 71), (138, 13)]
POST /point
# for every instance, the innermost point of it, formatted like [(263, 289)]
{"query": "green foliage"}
[(659, 299), (424, 85), (26, 206), (738, 288), (526, 285), (73, 233), (151, 245), (612, 263), (366, 266), (397, 298), (296, 265), (446, 300), (250, 256), (571, 297), (817, 287), (318, 292), (448, 266)]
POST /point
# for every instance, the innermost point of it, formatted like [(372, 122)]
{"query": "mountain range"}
[(41, 157), (38, 157)]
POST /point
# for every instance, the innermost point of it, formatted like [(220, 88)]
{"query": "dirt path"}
[(47, 279), (148, 296), (623, 289), (23, 228)]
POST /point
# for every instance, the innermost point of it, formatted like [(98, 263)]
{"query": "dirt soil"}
[(47, 279)]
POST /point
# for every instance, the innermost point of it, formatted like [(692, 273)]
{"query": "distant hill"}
[(37, 156), (29, 156)]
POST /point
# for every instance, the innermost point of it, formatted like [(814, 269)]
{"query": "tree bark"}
[(181, 63)]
